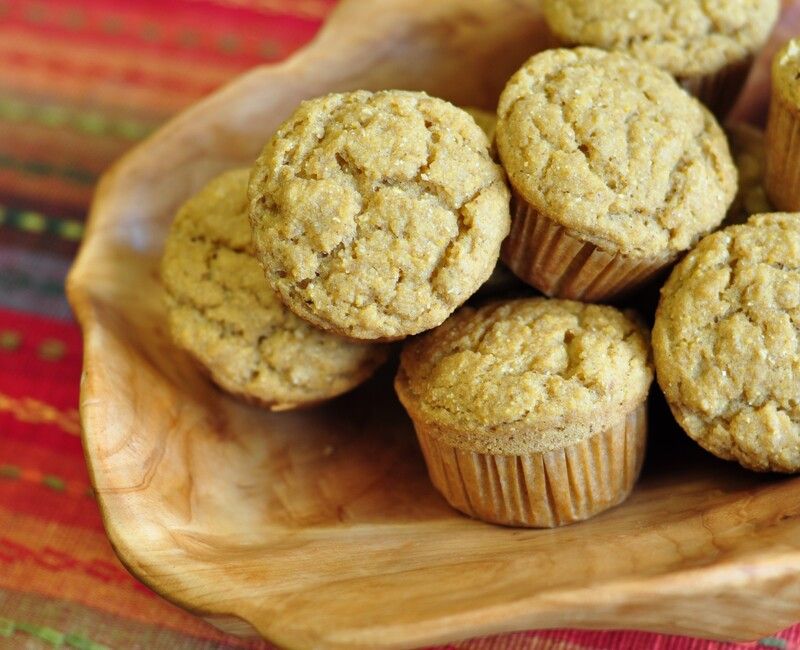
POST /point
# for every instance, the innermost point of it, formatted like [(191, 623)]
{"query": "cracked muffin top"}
[(526, 375), (726, 343), (685, 37), (375, 215), (614, 150), (223, 313)]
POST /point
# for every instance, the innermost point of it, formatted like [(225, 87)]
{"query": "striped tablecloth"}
[(80, 82)]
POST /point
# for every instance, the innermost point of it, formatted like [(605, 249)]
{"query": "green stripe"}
[(37, 223), (54, 483), (10, 471), (773, 642), (79, 176), (88, 122), (85, 620), (9, 628), (15, 280)]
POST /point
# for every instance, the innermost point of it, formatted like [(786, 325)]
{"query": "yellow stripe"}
[(314, 9)]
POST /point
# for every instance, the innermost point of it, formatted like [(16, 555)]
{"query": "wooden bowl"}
[(320, 528)]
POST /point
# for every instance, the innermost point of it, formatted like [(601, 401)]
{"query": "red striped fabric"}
[(80, 82)]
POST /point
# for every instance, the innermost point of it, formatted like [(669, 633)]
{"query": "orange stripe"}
[(30, 48), (154, 103), (60, 147), (26, 409), (78, 565), (36, 190)]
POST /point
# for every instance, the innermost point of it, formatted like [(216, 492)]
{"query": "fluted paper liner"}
[(719, 90), (547, 256), (782, 178), (544, 489)]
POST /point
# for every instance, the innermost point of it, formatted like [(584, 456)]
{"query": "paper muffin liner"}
[(544, 489), (549, 257), (782, 178), (719, 90)]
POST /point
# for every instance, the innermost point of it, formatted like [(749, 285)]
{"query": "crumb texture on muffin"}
[(685, 37), (615, 150), (526, 375), (225, 315), (377, 214), (726, 343)]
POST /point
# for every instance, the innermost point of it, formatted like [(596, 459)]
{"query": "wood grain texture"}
[(320, 528)]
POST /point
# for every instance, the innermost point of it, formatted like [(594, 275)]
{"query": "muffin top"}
[(786, 73), (375, 215), (526, 375), (614, 150), (223, 313), (726, 342), (685, 37)]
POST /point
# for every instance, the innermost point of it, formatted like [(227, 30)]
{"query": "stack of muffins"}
[(376, 216)]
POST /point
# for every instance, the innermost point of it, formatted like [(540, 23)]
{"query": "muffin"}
[(614, 169), (708, 46), (783, 129), (227, 318), (747, 148), (530, 412), (726, 343), (375, 215)]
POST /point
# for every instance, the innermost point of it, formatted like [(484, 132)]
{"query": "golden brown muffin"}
[(615, 171), (726, 343), (747, 149), (223, 313), (783, 129), (708, 46), (530, 412), (376, 215)]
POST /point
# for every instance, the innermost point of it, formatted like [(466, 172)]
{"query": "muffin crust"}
[(376, 215), (685, 37), (223, 313), (645, 176), (527, 375), (726, 343)]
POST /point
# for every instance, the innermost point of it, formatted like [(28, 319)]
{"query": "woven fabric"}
[(80, 82)]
